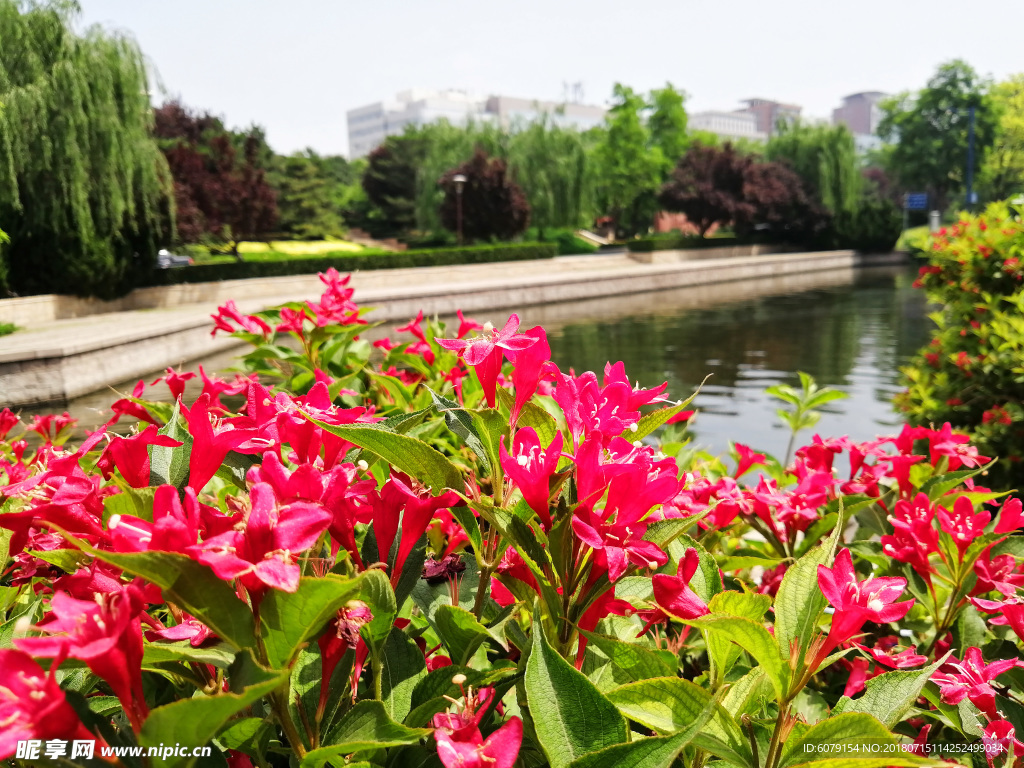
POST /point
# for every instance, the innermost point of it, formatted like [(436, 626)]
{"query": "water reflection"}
[(851, 329), (852, 335)]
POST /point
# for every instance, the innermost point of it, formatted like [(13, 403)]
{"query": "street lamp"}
[(459, 180)]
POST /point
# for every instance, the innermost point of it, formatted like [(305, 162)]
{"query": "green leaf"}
[(637, 662), (68, 560), (407, 454), (461, 422), (402, 669), (898, 759), (288, 620), (890, 696), (722, 650), (467, 519), (753, 638), (137, 502), (170, 465), (219, 655), (376, 592), (671, 704), (365, 726), (799, 602), (658, 752), (197, 720), (460, 632), (191, 586), (651, 421), (491, 427), (836, 735), (570, 715)]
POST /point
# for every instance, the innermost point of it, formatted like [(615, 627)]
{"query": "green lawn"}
[(283, 250)]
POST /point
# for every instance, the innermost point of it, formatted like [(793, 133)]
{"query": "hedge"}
[(348, 262), (684, 242)]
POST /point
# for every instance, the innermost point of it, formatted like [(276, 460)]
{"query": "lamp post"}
[(459, 180)]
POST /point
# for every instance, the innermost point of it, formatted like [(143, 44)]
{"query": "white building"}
[(728, 125), (368, 126)]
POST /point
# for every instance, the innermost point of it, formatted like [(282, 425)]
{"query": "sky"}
[(296, 67)]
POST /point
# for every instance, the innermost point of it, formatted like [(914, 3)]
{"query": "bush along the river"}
[(970, 375), (441, 549)]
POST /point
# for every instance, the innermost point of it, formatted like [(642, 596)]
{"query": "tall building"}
[(368, 126), (861, 113), (769, 113), (728, 125)]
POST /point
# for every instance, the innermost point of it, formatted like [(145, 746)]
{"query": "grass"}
[(7, 328), (914, 240), (281, 250)]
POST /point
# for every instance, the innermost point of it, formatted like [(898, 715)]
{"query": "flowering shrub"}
[(970, 374), (441, 549)]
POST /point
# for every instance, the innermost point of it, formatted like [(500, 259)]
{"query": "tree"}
[(929, 131), (1002, 173), (390, 185), (667, 125), (492, 206), (551, 164), (220, 179), (777, 204), (84, 191), (309, 206), (628, 173), (825, 159), (707, 186)]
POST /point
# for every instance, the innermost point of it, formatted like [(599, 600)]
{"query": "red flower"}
[(106, 634), (262, 554), (964, 525), (460, 743), (857, 602), (32, 705), (970, 678), (530, 467), (485, 352), (531, 366), (1010, 517), (673, 594), (131, 455), (746, 458)]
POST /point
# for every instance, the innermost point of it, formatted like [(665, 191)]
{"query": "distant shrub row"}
[(675, 241), (347, 262)]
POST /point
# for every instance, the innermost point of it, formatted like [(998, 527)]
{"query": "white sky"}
[(297, 66)]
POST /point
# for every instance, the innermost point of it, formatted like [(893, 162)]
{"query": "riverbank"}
[(54, 360)]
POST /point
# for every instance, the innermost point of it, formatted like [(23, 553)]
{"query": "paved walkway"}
[(75, 335)]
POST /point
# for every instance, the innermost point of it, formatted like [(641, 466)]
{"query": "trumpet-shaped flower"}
[(485, 352), (856, 602), (970, 678), (673, 594), (530, 467)]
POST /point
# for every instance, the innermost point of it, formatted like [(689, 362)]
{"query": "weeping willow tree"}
[(84, 190), (825, 158), (550, 164)]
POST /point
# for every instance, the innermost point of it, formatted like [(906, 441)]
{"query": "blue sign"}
[(916, 201)]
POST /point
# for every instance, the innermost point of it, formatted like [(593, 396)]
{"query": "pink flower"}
[(106, 634), (531, 366), (8, 420), (466, 324), (955, 448), (125, 406), (673, 593), (857, 602), (229, 313), (530, 468), (32, 705), (1010, 517), (291, 321), (963, 525), (175, 382), (746, 458), (999, 737), (883, 653), (262, 554), (914, 538), (999, 573), (131, 455), (485, 352), (619, 543), (341, 634), (212, 440), (460, 743), (970, 678)]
